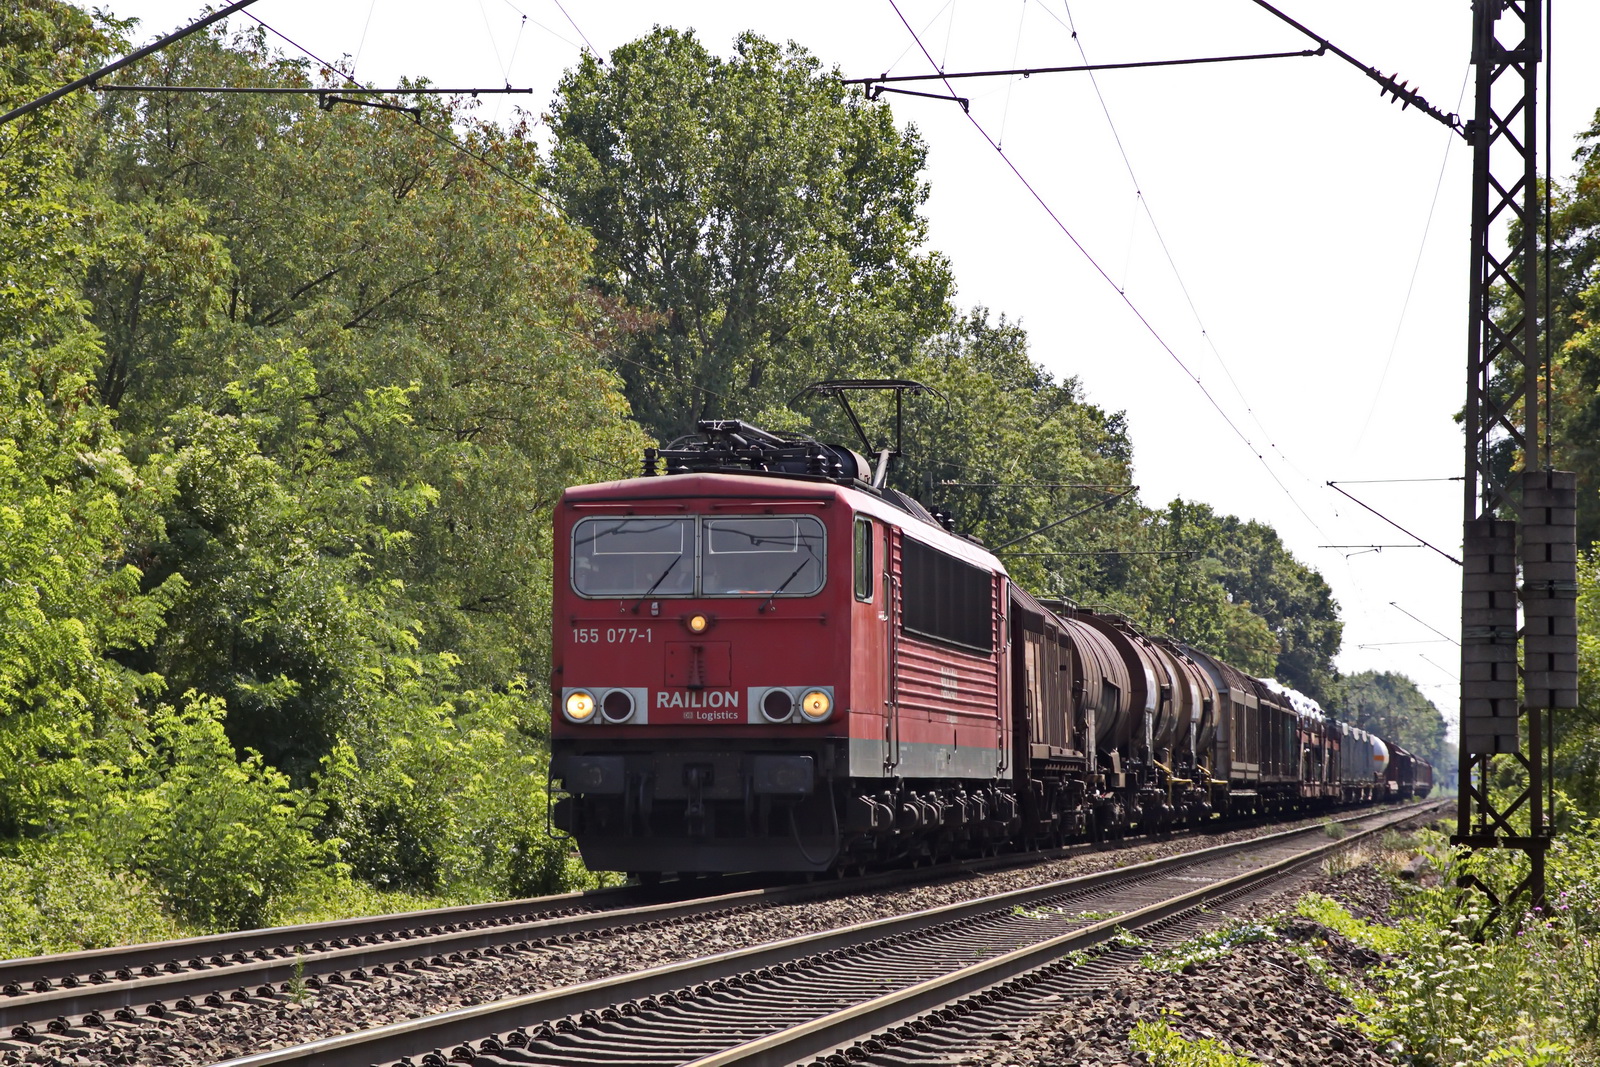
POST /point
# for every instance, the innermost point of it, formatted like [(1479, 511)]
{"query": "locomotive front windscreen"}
[(668, 557), (758, 557), (632, 557)]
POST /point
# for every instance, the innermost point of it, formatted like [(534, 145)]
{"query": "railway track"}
[(64, 993), (870, 987)]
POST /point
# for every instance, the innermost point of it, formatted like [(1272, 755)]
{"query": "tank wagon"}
[(766, 659)]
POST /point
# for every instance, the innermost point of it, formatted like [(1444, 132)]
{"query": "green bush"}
[(60, 896), (452, 804), (332, 894), (1463, 988), (1210, 945), (224, 836)]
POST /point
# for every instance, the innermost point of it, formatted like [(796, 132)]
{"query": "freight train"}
[(767, 659)]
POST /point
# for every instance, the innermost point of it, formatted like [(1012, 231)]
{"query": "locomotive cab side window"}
[(864, 569)]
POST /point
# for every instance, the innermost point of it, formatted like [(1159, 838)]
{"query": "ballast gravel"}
[(209, 1035), (1262, 1001)]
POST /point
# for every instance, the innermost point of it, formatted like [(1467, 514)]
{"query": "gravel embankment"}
[(1260, 1001), (212, 1034)]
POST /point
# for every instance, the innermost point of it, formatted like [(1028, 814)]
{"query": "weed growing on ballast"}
[(1165, 1047), (1210, 945)]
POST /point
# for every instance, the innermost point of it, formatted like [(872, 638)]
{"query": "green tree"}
[(1577, 732), (68, 495), (1573, 325), (273, 529), (225, 837), (452, 382), (1293, 599), (767, 218), (1392, 706)]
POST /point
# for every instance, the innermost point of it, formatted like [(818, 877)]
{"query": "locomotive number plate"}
[(612, 635)]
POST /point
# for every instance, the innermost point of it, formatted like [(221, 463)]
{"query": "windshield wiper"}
[(785, 584), (657, 582)]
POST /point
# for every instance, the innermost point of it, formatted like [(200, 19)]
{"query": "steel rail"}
[(54, 968), (844, 1029), (129, 980), (27, 969), (681, 980), (217, 979), (150, 979)]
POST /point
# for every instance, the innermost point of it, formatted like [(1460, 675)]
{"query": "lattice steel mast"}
[(1506, 52)]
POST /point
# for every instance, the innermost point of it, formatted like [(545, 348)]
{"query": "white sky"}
[(1291, 198)]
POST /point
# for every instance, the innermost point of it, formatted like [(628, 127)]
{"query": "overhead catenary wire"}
[(1026, 72), (358, 87), (1446, 671), (908, 48), (132, 57), (1011, 84), (1166, 250), (1416, 268), (1106, 503), (575, 26), (1143, 321), (1335, 487), (458, 146), (1397, 481), (362, 44), (569, 42), (1425, 625), (494, 46), (485, 161), (312, 90), (1322, 45), (1172, 262), (1388, 84), (244, 185)]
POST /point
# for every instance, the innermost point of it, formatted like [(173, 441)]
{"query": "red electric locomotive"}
[(765, 659), (726, 647)]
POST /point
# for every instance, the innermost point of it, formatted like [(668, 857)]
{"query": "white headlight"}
[(816, 705), (579, 706)]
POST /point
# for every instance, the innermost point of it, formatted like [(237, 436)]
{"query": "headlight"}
[(617, 706), (579, 706), (698, 624), (815, 705), (777, 705)]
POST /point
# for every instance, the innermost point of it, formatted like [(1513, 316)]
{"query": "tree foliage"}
[(767, 219), (1573, 329), (68, 495), (268, 227), (769, 222), (288, 395), (1391, 706), (1577, 752), (1572, 333)]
